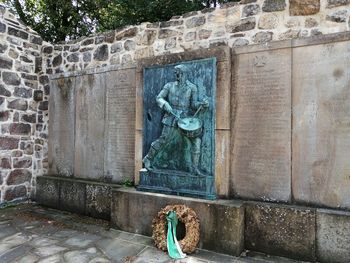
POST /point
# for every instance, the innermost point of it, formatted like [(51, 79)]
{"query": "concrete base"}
[(283, 230), (333, 236), (75, 195), (221, 221)]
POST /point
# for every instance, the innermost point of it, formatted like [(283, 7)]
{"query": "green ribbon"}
[(173, 246)]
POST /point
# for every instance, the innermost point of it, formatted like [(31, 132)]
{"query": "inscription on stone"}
[(321, 124), (120, 124), (62, 113), (261, 141), (89, 126)]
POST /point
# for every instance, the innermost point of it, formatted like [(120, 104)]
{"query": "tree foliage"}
[(59, 20)]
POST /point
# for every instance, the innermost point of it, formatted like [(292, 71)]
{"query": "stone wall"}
[(24, 97), (24, 94), (251, 22)]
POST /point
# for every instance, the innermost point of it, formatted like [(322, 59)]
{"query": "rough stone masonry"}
[(26, 63)]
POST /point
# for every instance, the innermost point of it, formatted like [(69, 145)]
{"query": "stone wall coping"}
[(293, 43), (92, 71), (78, 180), (332, 212), (225, 202)]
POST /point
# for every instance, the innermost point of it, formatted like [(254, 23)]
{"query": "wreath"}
[(185, 215)]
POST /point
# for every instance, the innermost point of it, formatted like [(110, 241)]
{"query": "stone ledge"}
[(333, 236), (75, 195), (221, 221), (283, 230)]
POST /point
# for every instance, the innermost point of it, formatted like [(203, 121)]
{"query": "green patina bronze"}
[(179, 123)]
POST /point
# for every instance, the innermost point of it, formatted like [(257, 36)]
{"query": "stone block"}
[(274, 5), (221, 222), (333, 236), (127, 33), (338, 16), (47, 191), (223, 95), (304, 7), (261, 137), (61, 127), (98, 200), (16, 192), (5, 162), (250, 10), (4, 91), (5, 63), (321, 124), (195, 21), (25, 162), (334, 3), (18, 33), (20, 129), (120, 125), (90, 126), (8, 143), (222, 162), (101, 53), (244, 24), (138, 155), (281, 230), (72, 196), (11, 78)]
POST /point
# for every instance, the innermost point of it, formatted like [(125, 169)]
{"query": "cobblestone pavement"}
[(31, 233)]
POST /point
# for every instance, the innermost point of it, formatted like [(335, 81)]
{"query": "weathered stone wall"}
[(251, 22), (24, 92), (24, 120)]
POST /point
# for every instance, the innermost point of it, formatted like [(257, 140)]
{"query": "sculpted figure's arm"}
[(161, 99), (195, 103)]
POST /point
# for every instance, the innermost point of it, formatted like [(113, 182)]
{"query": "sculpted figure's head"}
[(181, 72)]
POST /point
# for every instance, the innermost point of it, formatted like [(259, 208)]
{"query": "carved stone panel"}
[(321, 124), (261, 157), (89, 128), (61, 129), (120, 124)]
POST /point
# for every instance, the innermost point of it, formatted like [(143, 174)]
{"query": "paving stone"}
[(211, 256), (80, 256), (49, 250), (152, 255), (125, 249), (65, 233), (10, 242), (29, 258), (43, 242), (148, 241), (14, 253), (52, 259), (82, 240), (6, 231)]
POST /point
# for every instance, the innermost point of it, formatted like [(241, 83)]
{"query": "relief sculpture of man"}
[(178, 99)]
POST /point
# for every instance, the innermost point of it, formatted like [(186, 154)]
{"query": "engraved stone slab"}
[(262, 128), (321, 124), (61, 128), (120, 124), (333, 236), (89, 129)]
